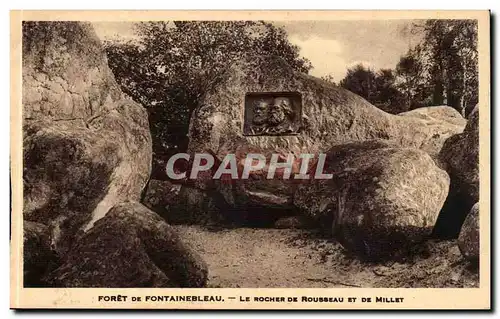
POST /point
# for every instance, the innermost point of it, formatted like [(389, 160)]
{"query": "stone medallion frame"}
[(272, 113)]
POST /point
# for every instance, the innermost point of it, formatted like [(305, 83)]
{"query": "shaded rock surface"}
[(184, 204), (181, 204), (87, 146), (468, 240), (330, 115), (130, 247), (161, 196), (292, 222), (461, 155), (87, 153), (254, 200), (381, 197), (460, 158), (38, 257), (257, 200)]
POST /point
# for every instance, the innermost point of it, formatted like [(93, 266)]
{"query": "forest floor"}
[(266, 257)]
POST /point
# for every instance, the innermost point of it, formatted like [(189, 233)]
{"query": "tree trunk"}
[(462, 93), (438, 92), (437, 95)]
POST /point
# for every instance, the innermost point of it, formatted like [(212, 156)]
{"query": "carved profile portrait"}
[(280, 110), (272, 114), (260, 112)]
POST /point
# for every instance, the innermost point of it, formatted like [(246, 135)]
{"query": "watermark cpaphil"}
[(242, 168)]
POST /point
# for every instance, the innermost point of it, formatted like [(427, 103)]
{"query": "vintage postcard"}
[(250, 159)]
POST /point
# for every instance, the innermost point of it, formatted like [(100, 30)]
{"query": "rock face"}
[(229, 203), (468, 240), (330, 115), (161, 196), (460, 157), (65, 72), (444, 121), (437, 115), (87, 146), (381, 198), (181, 204), (38, 256), (130, 247), (257, 200), (87, 159), (461, 154)]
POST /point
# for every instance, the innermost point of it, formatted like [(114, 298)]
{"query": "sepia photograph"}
[(251, 153)]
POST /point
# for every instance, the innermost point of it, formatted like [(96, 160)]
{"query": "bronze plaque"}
[(273, 113)]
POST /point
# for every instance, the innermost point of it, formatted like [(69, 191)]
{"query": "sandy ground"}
[(265, 257)]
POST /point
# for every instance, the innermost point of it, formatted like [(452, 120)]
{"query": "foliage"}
[(441, 69), (329, 78), (361, 81), (411, 80), (388, 97), (377, 88), (452, 61)]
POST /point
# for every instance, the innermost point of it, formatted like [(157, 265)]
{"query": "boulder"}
[(443, 120), (468, 240), (197, 206), (161, 196), (329, 115), (435, 115), (381, 200), (130, 247), (38, 257), (460, 153), (460, 157), (181, 204), (87, 145), (256, 189), (65, 72)]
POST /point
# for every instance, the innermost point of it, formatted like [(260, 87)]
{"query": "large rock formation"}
[(87, 158), (330, 115), (468, 240), (460, 158), (87, 146), (381, 199), (130, 247)]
